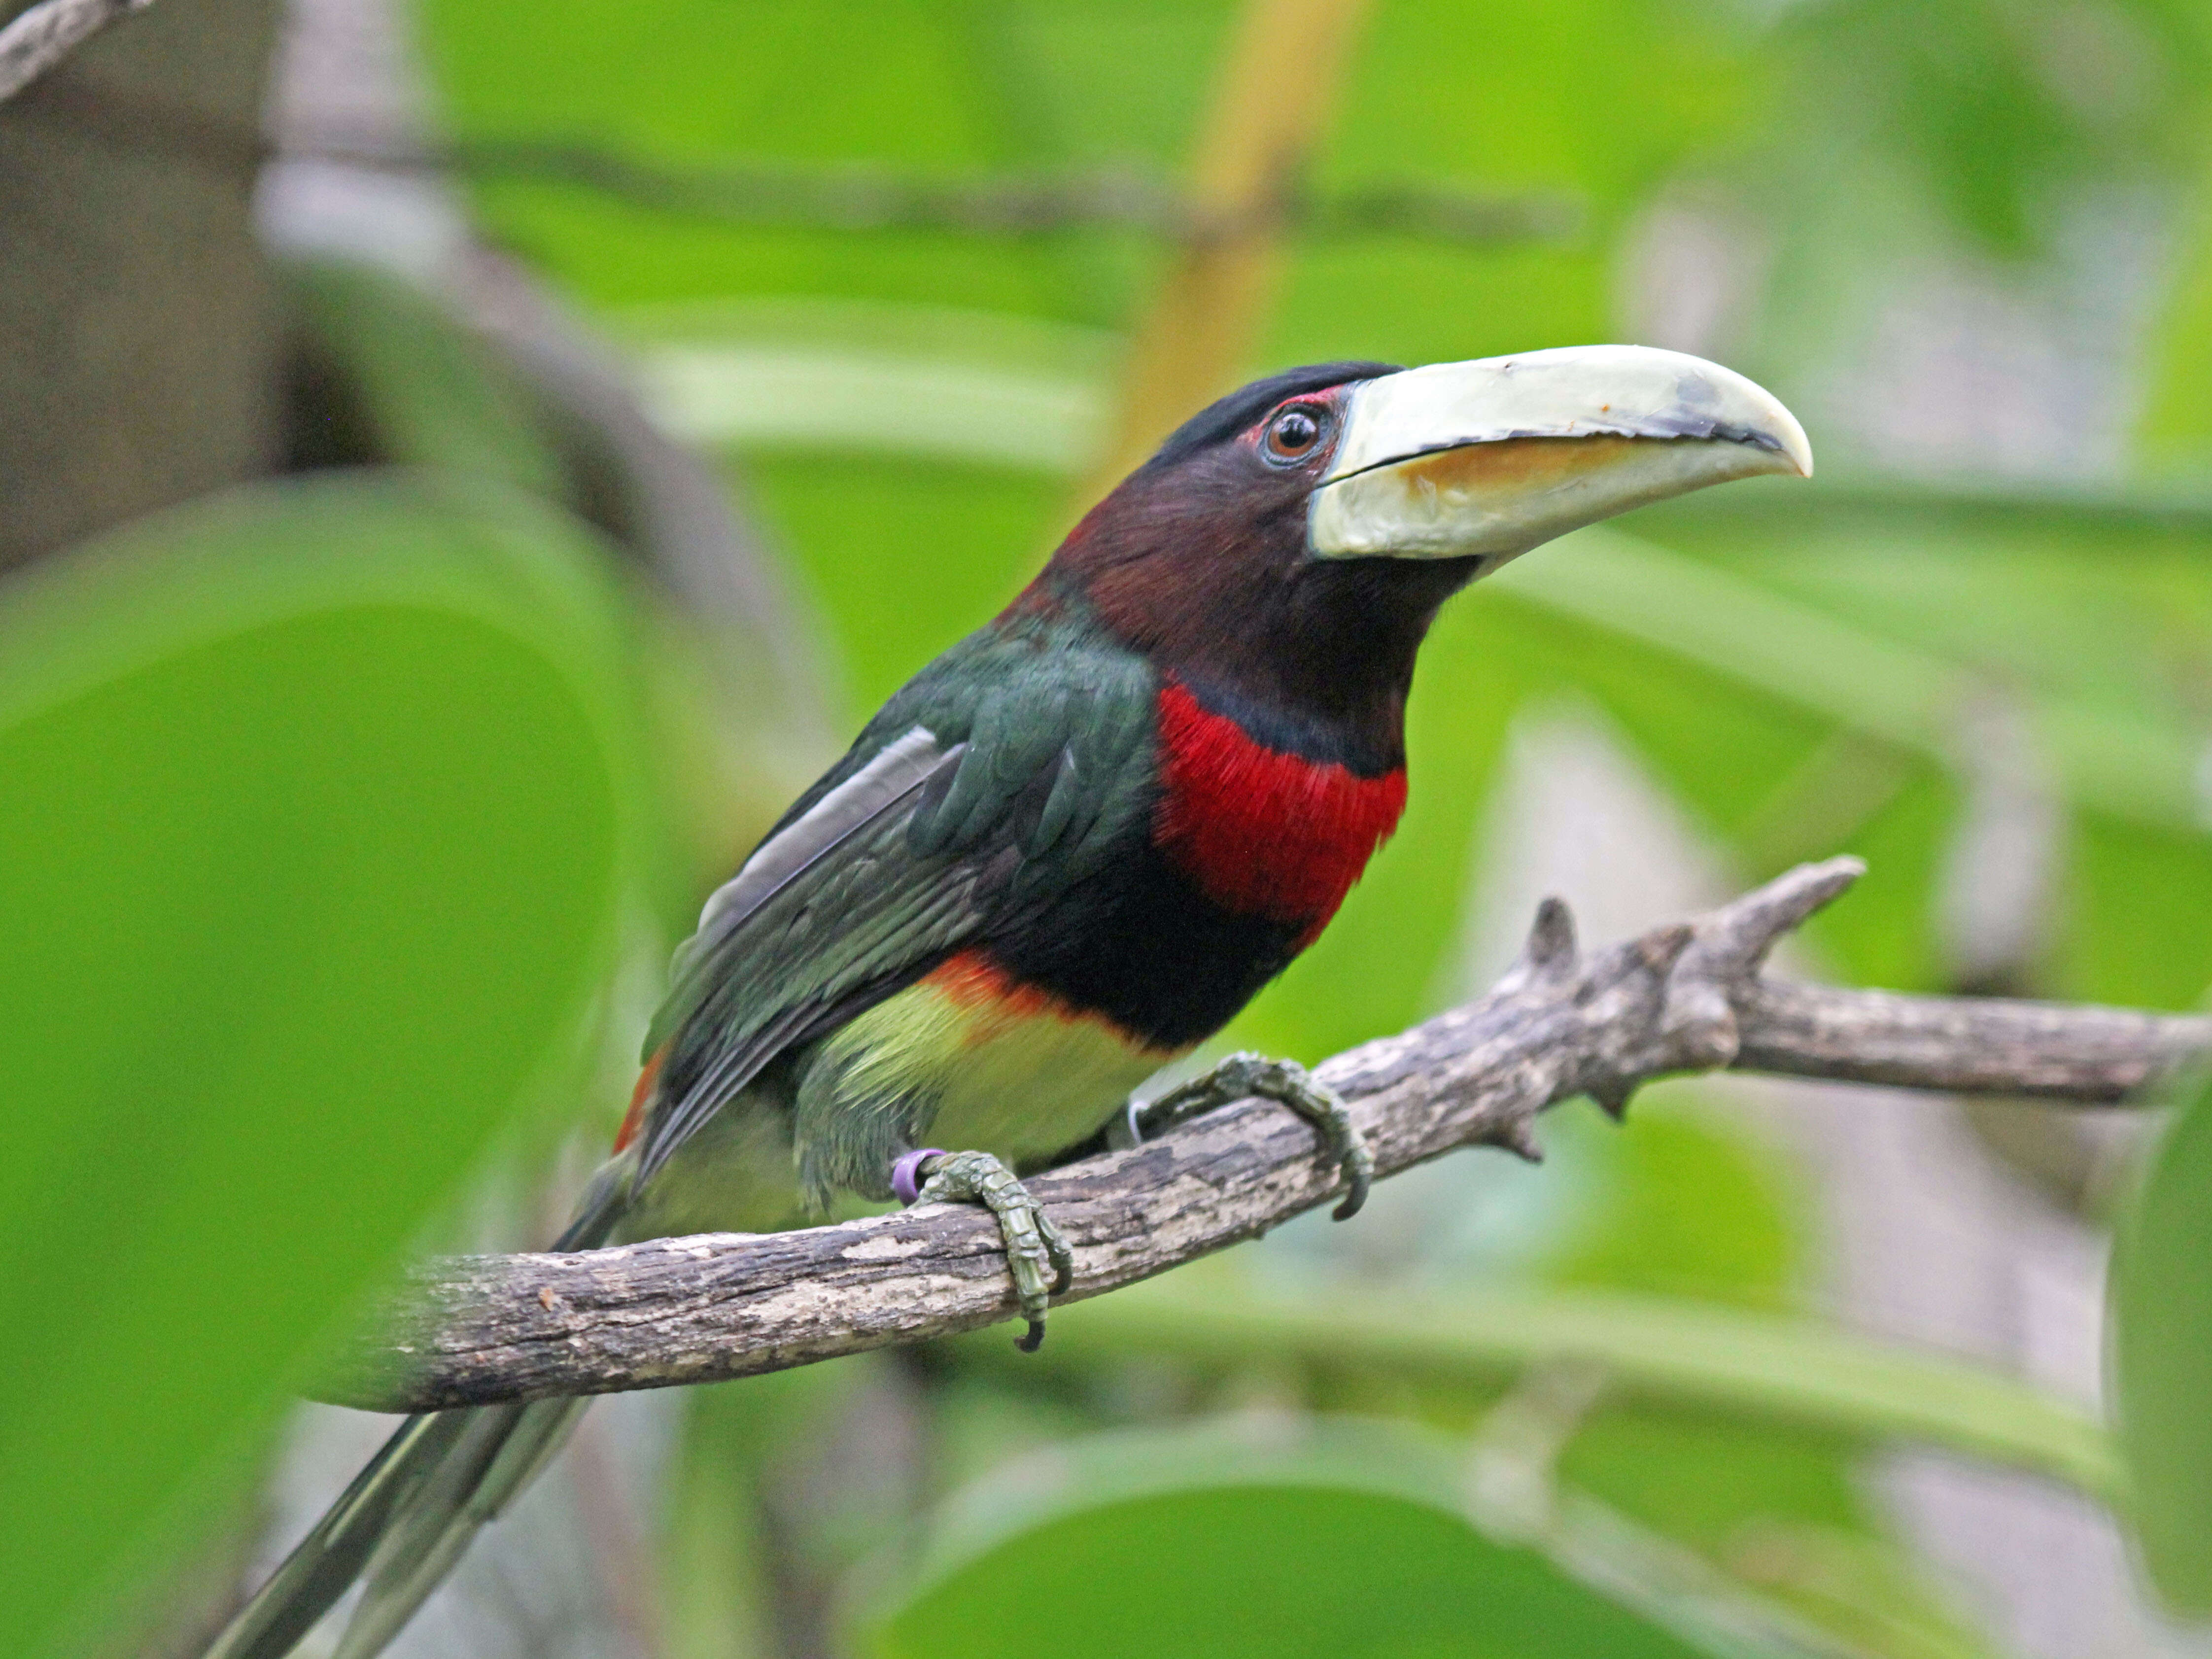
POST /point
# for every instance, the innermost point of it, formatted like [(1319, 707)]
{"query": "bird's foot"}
[(1037, 1255), (1289, 1084)]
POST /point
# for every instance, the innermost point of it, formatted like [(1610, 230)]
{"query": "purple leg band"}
[(906, 1186)]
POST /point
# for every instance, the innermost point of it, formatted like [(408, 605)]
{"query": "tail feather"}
[(408, 1517), (327, 1561), (500, 1450)]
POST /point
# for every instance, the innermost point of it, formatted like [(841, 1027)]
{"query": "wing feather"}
[(938, 835), (885, 783)]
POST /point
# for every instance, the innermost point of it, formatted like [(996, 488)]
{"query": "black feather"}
[(1225, 418)]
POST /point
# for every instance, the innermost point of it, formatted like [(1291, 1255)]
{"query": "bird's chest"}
[(1260, 832)]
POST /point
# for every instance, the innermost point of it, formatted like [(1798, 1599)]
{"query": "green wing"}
[(1004, 773)]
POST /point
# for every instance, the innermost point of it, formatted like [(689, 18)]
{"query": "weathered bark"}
[(35, 41), (1686, 998), (1962, 1045), (144, 346)]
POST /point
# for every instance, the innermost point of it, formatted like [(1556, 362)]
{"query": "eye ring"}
[(1294, 433)]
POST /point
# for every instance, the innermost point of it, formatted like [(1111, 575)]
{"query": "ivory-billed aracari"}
[(1069, 850)]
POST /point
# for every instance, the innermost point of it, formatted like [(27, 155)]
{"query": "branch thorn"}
[(1518, 1135), (1548, 956), (1759, 919)]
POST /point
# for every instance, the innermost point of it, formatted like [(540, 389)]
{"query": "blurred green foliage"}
[(322, 797), (1346, 1539), (2162, 1294), (418, 390), (328, 799), (1794, 666)]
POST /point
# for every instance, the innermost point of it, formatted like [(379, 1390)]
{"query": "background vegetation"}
[(349, 810)]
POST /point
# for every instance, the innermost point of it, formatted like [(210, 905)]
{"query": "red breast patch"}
[(1261, 832)]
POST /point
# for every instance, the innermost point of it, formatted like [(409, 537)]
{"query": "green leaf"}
[(903, 556), (717, 1551), (2173, 435), (1343, 1538), (2162, 1355), (424, 392), (923, 382), (1754, 1365), (1874, 682), (311, 851)]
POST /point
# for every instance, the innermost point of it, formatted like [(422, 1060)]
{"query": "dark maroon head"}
[(1287, 548), (1199, 559)]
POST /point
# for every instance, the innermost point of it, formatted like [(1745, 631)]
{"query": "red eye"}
[(1292, 434)]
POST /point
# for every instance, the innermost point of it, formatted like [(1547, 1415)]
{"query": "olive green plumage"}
[(1035, 763)]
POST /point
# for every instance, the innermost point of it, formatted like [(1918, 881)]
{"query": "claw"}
[(1063, 1258), (1288, 1083), (1033, 1243)]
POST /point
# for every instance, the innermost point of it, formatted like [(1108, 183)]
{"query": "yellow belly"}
[(734, 1175), (1008, 1070)]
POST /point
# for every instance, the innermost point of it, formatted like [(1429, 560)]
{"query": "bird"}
[(1067, 853)]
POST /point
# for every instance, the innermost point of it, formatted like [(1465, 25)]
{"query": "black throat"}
[(1314, 656)]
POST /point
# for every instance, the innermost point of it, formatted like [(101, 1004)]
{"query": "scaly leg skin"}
[(1033, 1244), (1289, 1084)]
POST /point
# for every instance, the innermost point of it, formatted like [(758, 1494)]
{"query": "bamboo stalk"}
[(1271, 103)]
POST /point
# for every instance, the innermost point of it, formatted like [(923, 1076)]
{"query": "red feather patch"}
[(633, 1120), (1262, 832), (974, 982)]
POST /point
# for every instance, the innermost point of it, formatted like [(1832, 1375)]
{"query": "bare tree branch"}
[(1686, 998), (38, 38), (2073, 1051), (871, 198), (855, 198)]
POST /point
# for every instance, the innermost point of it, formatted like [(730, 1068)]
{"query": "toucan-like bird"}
[(1069, 851)]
